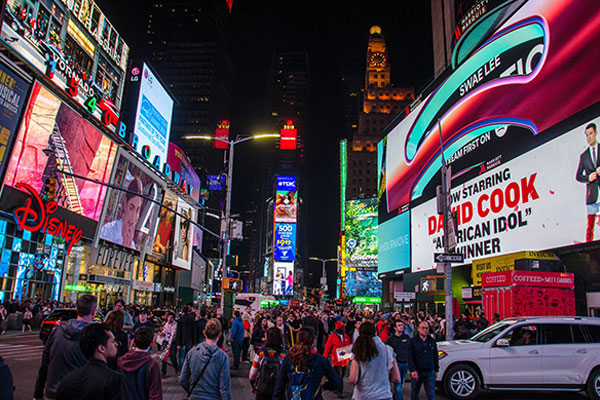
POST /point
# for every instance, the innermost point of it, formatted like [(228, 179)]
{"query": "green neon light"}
[(76, 288), (343, 180), (367, 300)]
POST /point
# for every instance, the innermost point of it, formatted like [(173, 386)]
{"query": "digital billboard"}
[(69, 59), (283, 278), (285, 242), (286, 199), (54, 137), (166, 224), (13, 95), (153, 114), (129, 217), (360, 255), (184, 235), (182, 171), (518, 121)]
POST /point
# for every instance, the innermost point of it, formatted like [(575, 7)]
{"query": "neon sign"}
[(42, 219)]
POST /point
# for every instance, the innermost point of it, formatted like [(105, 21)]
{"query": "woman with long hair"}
[(303, 369), (114, 320), (263, 386), (373, 366)]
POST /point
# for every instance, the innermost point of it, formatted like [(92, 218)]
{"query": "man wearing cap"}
[(338, 349)]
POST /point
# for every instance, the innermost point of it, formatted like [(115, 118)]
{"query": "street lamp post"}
[(323, 274), (226, 233)]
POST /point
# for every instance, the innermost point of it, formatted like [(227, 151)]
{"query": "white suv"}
[(532, 353)]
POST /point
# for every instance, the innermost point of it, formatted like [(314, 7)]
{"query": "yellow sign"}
[(81, 38), (505, 263)]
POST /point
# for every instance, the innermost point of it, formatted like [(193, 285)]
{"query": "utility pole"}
[(449, 237)]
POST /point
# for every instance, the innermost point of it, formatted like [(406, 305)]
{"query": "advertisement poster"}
[(360, 256), (54, 137), (166, 225), (285, 242), (286, 199), (129, 217), (184, 234), (153, 115), (13, 95), (522, 159), (182, 170), (283, 278)]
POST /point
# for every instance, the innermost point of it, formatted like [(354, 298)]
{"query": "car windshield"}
[(491, 332)]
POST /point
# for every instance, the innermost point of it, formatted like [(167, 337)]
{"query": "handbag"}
[(164, 355)]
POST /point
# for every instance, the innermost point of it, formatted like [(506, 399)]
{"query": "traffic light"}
[(51, 189)]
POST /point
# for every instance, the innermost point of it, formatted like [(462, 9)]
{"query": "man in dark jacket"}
[(95, 380), (423, 362), (6, 382), (186, 335), (201, 324), (141, 371), (399, 342), (62, 353), (237, 338)]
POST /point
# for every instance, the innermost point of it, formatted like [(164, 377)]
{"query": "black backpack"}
[(267, 376)]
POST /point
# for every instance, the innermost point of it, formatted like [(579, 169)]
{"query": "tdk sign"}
[(286, 183)]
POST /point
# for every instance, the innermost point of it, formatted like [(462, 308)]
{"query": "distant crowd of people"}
[(291, 350)]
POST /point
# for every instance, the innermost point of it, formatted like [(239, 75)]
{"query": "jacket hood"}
[(133, 360), (72, 329)]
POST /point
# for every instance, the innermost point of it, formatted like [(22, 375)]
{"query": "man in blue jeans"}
[(423, 362), (399, 342), (237, 339)]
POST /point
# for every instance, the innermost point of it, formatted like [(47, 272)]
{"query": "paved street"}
[(23, 354)]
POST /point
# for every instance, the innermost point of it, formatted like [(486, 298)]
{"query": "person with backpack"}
[(303, 370), (373, 366), (141, 371), (266, 365), (338, 349), (205, 372)]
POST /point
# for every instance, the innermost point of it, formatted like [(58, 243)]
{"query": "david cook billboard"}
[(517, 118)]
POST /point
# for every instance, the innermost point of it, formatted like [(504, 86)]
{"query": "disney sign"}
[(38, 217)]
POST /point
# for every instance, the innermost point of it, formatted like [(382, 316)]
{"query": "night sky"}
[(335, 36)]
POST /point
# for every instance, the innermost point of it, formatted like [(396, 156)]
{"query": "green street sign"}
[(76, 288), (367, 300)]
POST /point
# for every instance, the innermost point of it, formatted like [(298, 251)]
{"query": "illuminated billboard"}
[(518, 120), (283, 278), (153, 114), (184, 235), (285, 242), (166, 225), (13, 95), (286, 199), (360, 255), (129, 217), (288, 137), (54, 137), (86, 61), (182, 172)]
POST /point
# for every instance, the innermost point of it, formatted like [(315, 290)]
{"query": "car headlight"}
[(442, 354)]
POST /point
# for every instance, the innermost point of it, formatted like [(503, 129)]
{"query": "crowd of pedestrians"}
[(295, 352)]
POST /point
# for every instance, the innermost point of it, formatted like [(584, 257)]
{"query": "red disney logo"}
[(41, 219)]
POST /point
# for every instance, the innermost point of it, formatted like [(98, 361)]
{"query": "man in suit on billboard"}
[(588, 172)]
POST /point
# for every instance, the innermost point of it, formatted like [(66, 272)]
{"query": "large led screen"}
[(130, 214), (183, 172), (283, 278), (518, 120), (286, 199), (166, 225), (184, 235), (153, 115), (285, 242), (53, 137), (360, 255)]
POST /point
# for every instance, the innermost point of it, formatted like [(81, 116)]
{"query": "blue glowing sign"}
[(285, 242)]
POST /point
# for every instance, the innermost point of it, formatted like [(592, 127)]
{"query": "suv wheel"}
[(593, 385), (462, 382)]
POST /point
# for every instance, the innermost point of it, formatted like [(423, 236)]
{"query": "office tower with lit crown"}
[(380, 104)]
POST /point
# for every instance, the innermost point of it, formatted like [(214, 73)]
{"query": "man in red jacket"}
[(140, 370), (338, 349)]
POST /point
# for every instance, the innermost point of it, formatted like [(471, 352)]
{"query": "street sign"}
[(448, 258), (404, 296)]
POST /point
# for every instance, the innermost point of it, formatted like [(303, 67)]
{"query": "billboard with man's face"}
[(130, 214), (518, 119), (184, 235)]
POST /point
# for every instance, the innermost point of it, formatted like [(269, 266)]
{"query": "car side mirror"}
[(502, 343)]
